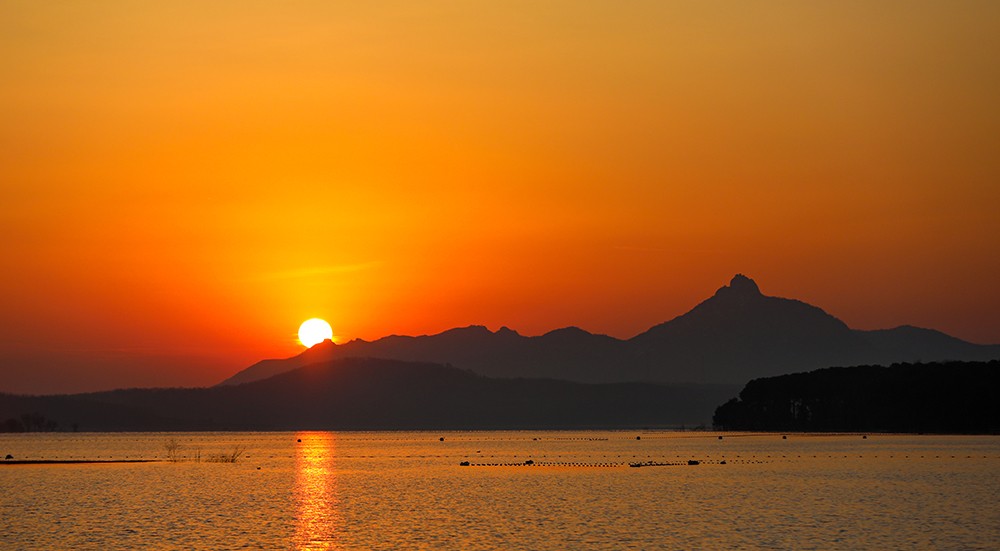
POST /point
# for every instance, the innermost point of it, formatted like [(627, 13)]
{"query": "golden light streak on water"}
[(317, 520)]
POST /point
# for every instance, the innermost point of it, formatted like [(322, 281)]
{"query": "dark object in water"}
[(258, 468), (720, 438), (463, 464), (723, 462), (638, 438), (529, 462), (783, 437), (865, 437), (299, 440), (441, 439), (9, 456), (694, 462)]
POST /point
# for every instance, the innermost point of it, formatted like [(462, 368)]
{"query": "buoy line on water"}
[(604, 464)]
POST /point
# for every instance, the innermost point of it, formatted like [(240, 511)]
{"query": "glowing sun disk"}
[(314, 331)]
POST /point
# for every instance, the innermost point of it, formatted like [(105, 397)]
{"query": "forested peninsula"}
[(939, 397)]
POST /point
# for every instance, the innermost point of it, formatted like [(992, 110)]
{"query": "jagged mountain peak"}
[(740, 286), (508, 332)]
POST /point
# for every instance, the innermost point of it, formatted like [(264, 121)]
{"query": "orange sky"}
[(184, 182)]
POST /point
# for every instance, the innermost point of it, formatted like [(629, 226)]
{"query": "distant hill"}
[(914, 344), (734, 336), (568, 354), (356, 394), (950, 397)]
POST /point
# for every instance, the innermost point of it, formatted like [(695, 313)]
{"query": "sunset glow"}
[(183, 184)]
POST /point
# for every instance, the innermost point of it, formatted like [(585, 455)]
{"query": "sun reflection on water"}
[(317, 520)]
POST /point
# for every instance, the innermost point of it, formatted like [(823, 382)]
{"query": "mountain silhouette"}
[(569, 354), (740, 334), (372, 394), (916, 345), (736, 335)]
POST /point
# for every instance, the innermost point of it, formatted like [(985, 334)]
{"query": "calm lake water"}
[(407, 490)]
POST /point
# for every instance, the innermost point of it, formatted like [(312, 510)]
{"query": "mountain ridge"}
[(735, 335)]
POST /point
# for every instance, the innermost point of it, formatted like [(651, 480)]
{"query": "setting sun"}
[(314, 331)]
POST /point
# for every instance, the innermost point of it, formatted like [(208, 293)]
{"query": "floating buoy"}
[(865, 437), (9, 456), (441, 439), (783, 437), (638, 438), (720, 438), (299, 440), (258, 468), (723, 462)]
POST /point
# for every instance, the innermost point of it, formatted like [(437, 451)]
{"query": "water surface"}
[(407, 490)]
